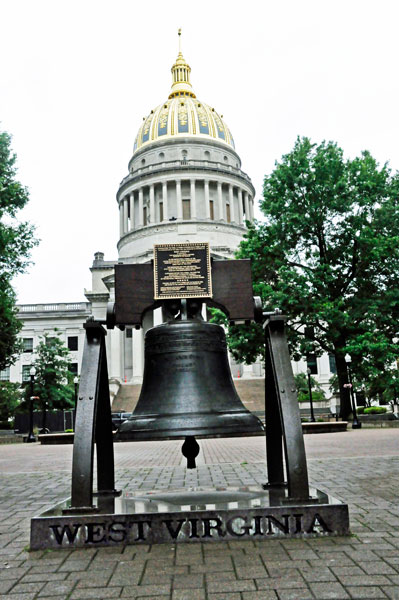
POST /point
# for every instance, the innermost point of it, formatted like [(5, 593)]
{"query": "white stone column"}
[(157, 316), (247, 216), (231, 202), (126, 203), (123, 215), (138, 355), (116, 353), (152, 205), (132, 223), (207, 206), (251, 208), (179, 201), (220, 201), (141, 195), (240, 211), (165, 200), (120, 219), (193, 202)]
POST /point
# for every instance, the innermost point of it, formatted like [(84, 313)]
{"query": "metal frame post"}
[(283, 420), (93, 424)]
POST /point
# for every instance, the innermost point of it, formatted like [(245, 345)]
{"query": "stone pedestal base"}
[(190, 515)]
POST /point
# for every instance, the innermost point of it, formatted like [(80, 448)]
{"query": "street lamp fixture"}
[(355, 423), (312, 419), (31, 438)]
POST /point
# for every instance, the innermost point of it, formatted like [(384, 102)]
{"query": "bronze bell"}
[(187, 387)]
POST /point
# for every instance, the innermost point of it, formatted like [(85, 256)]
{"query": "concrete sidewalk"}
[(360, 467)]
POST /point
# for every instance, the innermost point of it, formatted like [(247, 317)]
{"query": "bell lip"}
[(141, 427), (153, 436)]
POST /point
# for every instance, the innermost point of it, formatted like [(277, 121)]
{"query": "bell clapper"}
[(190, 450)]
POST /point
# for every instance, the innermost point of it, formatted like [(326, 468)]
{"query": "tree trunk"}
[(344, 393)]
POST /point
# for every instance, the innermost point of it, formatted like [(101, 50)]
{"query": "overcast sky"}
[(77, 78)]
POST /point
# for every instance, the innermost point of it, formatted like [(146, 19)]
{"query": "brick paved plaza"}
[(360, 467)]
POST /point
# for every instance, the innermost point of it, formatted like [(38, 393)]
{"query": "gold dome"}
[(182, 115)]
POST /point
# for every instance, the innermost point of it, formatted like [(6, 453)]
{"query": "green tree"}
[(10, 397), (327, 255), (53, 380), (16, 241)]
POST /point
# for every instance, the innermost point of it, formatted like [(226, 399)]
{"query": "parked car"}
[(119, 417)]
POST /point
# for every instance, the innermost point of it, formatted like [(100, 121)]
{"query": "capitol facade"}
[(184, 183)]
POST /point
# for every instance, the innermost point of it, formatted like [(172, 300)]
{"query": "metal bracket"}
[(93, 423), (284, 435)]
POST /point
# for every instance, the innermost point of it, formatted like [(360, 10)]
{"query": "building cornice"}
[(172, 227), (97, 296), (185, 141)]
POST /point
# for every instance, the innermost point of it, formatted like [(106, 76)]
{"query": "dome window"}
[(207, 155), (226, 160), (143, 162), (161, 155)]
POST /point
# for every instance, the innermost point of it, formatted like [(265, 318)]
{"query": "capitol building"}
[(184, 184)]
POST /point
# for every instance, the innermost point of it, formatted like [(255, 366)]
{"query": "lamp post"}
[(75, 381), (356, 423), (31, 438), (312, 419)]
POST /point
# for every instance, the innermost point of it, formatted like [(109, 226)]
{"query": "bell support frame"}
[(284, 437)]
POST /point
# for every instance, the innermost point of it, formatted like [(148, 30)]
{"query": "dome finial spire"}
[(181, 85), (179, 34)]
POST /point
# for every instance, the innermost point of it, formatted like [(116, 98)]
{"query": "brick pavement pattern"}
[(360, 467)]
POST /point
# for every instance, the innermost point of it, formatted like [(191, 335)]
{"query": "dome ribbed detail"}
[(182, 116)]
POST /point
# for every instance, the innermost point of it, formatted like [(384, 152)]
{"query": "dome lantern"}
[(181, 85)]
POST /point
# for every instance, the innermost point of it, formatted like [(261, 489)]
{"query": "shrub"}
[(375, 410), (316, 397), (360, 410)]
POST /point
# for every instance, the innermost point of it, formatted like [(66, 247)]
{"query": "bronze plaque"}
[(182, 271)]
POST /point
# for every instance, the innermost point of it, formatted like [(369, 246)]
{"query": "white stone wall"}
[(40, 319)]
